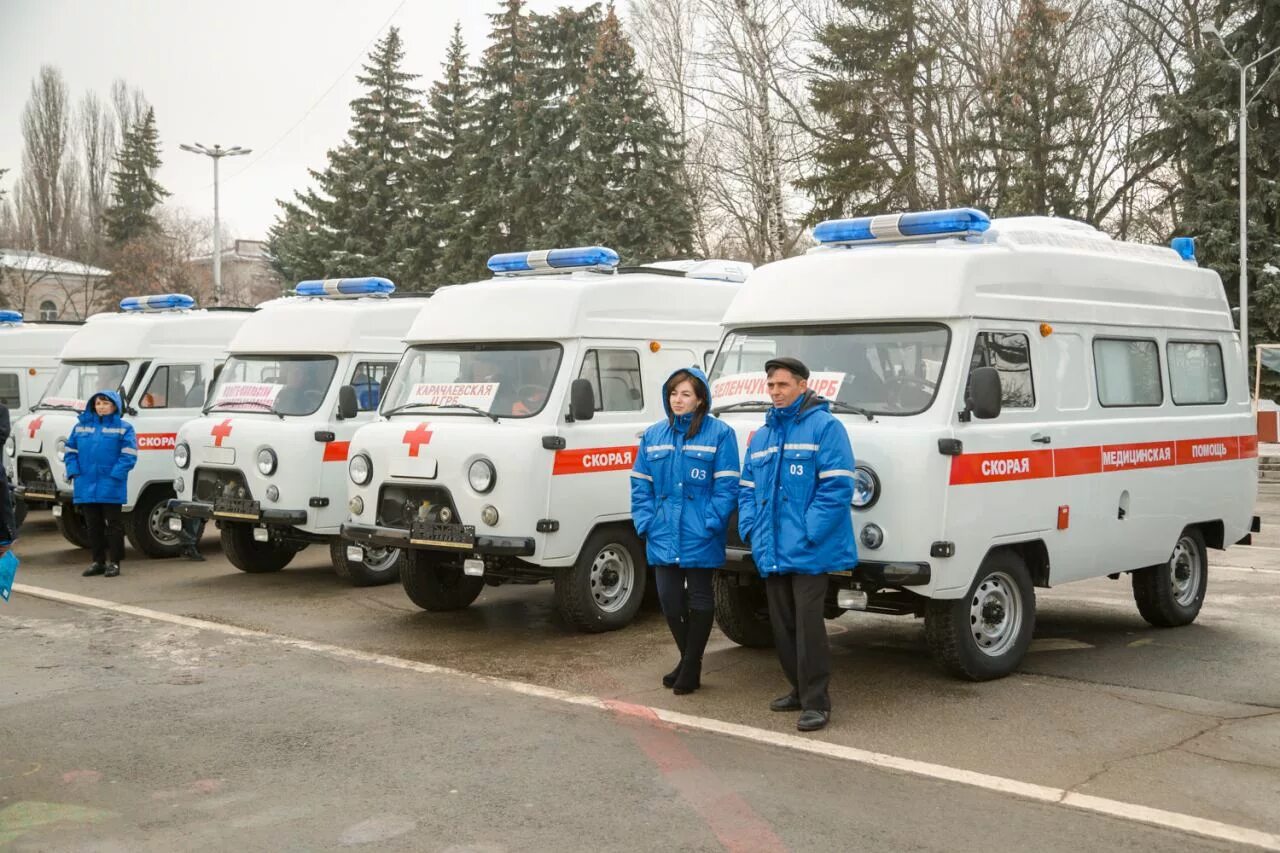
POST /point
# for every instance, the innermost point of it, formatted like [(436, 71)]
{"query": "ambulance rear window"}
[(1127, 371), (1196, 377)]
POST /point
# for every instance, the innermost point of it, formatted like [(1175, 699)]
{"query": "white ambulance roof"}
[(42, 340), (1025, 268), (577, 304), (301, 324), (160, 335)]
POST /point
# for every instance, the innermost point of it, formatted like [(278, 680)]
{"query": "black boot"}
[(113, 570), (95, 569), (690, 677), (679, 626)]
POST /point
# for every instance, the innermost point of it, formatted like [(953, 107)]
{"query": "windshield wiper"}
[(476, 409), (745, 405), (841, 406), (60, 406), (269, 407)]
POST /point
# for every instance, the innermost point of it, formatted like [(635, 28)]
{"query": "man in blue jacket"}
[(794, 505), (99, 454)]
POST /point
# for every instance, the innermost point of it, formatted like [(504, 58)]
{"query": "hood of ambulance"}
[(903, 454), (513, 445)]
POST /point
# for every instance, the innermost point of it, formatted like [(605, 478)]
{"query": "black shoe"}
[(679, 632), (790, 702), (811, 721), (194, 555), (690, 676), (669, 679), (113, 569), (95, 569)]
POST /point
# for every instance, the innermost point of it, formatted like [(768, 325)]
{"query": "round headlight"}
[(11, 446), (267, 461), (866, 487), (355, 506), (871, 536), (61, 448), (273, 493), (482, 476), (182, 454), (489, 515), (360, 469)]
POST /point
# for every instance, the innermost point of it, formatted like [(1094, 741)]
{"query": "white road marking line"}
[(1249, 569), (1057, 644), (999, 784)]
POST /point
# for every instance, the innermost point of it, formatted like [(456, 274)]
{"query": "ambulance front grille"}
[(398, 503), (34, 472), (213, 483)]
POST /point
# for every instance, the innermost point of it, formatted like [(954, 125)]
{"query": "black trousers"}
[(8, 521), (800, 635), (106, 533), (676, 598)]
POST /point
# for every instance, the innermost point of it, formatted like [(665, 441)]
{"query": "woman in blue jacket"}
[(683, 489), (100, 452)]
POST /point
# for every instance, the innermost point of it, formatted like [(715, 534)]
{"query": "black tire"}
[(249, 555), (960, 633), (380, 566), (604, 588), (742, 611), (19, 512), (436, 582), (1171, 594), (72, 527), (147, 524)]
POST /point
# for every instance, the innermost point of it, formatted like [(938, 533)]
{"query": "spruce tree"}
[(354, 222), (136, 191)]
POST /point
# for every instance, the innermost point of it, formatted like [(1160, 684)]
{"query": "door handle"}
[(1040, 438)]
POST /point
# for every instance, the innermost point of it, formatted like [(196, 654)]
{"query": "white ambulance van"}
[(28, 359), (1029, 401), (507, 434), (160, 353), (268, 458)]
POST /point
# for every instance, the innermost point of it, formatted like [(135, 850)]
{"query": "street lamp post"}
[(1210, 30), (216, 153)]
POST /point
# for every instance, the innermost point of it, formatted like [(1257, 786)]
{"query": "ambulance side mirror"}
[(348, 405), (983, 400), (582, 400)]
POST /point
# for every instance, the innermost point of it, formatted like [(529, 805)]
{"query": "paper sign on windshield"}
[(251, 393), (746, 387), (64, 402), (478, 394)]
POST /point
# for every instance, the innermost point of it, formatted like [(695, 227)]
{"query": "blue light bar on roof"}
[(158, 302), (897, 227), (10, 317), (1185, 247), (368, 286), (582, 257)]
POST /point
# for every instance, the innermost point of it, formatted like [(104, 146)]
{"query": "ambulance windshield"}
[(77, 381), (881, 369), (280, 384), (509, 380)]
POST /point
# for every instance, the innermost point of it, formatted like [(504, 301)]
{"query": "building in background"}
[(247, 275), (43, 287)]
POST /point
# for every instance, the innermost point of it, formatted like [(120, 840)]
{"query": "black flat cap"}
[(794, 365)]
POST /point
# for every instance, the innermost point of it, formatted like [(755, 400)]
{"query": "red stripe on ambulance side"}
[(336, 451), (157, 440), (1248, 446), (592, 460), (1001, 467)]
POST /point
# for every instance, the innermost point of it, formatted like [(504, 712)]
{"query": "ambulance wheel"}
[(147, 526), (249, 555), (742, 611), (603, 590), (19, 512), (985, 634), (72, 527), (1170, 594), (437, 583), (379, 566)]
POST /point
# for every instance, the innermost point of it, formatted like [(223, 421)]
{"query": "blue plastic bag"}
[(8, 568)]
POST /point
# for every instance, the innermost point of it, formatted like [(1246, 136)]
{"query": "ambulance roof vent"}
[(158, 302), (901, 227), (711, 269), (345, 288), (597, 258), (10, 318)]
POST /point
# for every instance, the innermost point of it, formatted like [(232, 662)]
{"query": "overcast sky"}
[(236, 72)]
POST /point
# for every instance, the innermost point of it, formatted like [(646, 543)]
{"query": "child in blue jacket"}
[(100, 452)]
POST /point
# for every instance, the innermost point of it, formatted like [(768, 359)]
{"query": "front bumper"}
[(398, 537), (271, 517), (39, 494), (870, 571)]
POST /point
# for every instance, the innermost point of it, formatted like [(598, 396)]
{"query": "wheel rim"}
[(380, 559), (613, 575), (995, 614), (1185, 571), (157, 523)]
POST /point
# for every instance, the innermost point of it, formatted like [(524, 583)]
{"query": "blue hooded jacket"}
[(797, 490), (100, 452), (683, 490)]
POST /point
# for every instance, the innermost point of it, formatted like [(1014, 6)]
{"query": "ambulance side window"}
[(1196, 377), (1010, 354), (369, 378), (615, 377), (9, 391), (1127, 372), (174, 386)]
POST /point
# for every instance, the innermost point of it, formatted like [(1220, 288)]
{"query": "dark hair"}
[(699, 391)]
